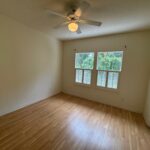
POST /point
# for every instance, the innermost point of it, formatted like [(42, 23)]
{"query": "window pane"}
[(79, 76), (111, 61), (84, 60), (101, 78), (87, 77), (112, 80)]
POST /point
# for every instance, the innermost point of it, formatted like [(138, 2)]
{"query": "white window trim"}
[(95, 71), (83, 84), (107, 88), (120, 72)]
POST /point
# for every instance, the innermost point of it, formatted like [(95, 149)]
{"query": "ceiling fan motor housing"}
[(73, 18)]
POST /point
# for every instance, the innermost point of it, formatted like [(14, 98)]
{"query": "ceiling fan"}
[(73, 16)]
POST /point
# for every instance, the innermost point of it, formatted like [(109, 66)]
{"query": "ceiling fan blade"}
[(90, 22), (78, 12), (60, 25), (79, 30), (55, 13)]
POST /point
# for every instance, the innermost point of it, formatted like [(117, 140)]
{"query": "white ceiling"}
[(117, 16)]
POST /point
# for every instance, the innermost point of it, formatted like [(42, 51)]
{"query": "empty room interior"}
[(74, 75)]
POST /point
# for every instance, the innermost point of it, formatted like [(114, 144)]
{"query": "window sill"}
[(107, 89), (82, 84)]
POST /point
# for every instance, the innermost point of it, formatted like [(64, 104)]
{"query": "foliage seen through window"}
[(84, 60)]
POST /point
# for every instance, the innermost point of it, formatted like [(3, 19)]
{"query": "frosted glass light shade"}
[(73, 27)]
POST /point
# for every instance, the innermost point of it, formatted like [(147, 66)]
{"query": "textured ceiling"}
[(117, 16)]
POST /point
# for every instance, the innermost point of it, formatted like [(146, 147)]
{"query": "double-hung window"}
[(109, 65), (84, 64)]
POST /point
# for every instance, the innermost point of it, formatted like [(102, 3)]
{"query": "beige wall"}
[(147, 103), (30, 65), (147, 106), (134, 77)]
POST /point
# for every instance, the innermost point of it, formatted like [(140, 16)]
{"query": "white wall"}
[(134, 77), (30, 65)]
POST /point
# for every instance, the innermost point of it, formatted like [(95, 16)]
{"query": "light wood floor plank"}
[(65, 122)]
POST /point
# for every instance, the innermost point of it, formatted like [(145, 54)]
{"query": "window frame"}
[(107, 88), (94, 71), (82, 83), (107, 71), (78, 83)]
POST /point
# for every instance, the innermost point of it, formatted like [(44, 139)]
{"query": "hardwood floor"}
[(66, 122)]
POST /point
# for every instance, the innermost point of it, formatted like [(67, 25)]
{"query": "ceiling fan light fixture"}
[(73, 27)]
